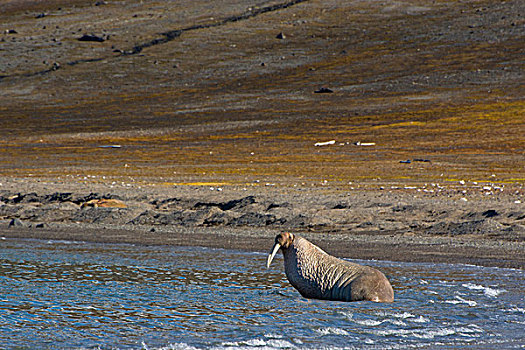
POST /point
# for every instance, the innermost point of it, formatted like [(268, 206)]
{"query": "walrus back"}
[(316, 274)]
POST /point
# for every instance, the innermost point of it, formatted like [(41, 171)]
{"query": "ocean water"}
[(74, 295)]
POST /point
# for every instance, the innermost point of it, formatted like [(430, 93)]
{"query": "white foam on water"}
[(417, 333), (257, 343), (332, 330), (471, 330), (404, 315), (365, 322), (460, 300), (421, 319), (431, 334), (490, 292), (397, 322), (272, 335), (178, 346), (368, 322), (59, 241), (517, 309)]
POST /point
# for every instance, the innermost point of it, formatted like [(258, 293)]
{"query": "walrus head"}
[(282, 240)]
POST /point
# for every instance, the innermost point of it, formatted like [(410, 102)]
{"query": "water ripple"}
[(88, 296)]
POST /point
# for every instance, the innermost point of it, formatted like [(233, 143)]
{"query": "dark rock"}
[(219, 218), (233, 204), (92, 196), (323, 90), (40, 225), (490, 213), (10, 31), (199, 205), (198, 217), (476, 227), (403, 208), (15, 223), (167, 204), (299, 221), (365, 224), (516, 215), (378, 205), (281, 36), (41, 15), (23, 198), (238, 203), (186, 217), (98, 215), (10, 211), (278, 205), (58, 197), (92, 37), (148, 217), (50, 212), (408, 161), (254, 219)]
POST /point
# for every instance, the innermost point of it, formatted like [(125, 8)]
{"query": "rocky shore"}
[(394, 224)]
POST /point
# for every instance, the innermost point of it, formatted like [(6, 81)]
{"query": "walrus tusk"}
[(275, 249)]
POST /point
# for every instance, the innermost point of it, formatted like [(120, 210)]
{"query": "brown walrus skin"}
[(317, 275)]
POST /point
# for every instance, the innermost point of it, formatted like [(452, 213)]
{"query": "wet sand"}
[(203, 122)]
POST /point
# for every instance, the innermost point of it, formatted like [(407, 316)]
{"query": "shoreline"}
[(413, 248), (395, 225), (403, 249)]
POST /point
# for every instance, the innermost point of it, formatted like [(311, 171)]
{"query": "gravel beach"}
[(396, 224)]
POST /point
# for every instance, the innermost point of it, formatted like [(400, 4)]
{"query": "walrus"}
[(318, 275)]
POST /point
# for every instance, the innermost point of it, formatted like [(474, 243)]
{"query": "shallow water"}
[(58, 295)]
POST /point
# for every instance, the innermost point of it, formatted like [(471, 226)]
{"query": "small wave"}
[(368, 322), (332, 330), (471, 331), (421, 319), (273, 336), (490, 292), (179, 346), (404, 316), (460, 300), (517, 309), (417, 333), (59, 241), (397, 322), (258, 343)]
